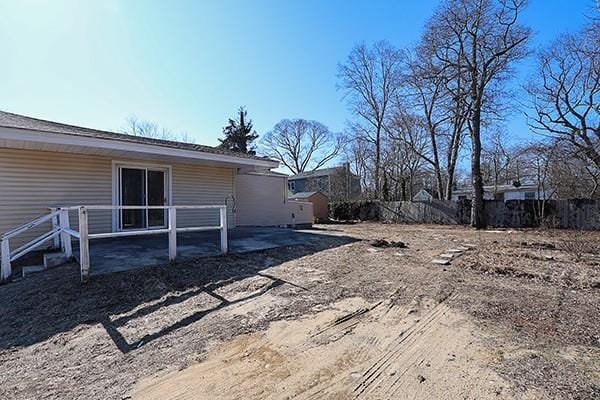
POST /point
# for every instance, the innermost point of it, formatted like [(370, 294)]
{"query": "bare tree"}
[(438, 91), (497, 159), (573, 177), (359, 155), (150, 129), (565, 92), (405, 152), (482, 40), (567, 174), (370, 78), (302, 145), (540, 157)]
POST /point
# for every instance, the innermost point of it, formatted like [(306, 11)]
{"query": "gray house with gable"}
[(337, 183)]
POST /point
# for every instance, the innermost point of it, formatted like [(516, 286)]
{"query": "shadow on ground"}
[(46, 304)]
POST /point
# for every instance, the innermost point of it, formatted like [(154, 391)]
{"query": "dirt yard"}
[(514, 315)]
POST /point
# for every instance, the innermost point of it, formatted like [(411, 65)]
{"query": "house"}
[(46, 164), (337, 183), (422, 195), (504, 192), (319, 201)]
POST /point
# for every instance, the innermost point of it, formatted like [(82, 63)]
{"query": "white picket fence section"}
[(61, 229)]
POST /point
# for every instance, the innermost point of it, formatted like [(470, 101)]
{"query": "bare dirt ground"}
[(516, 316)]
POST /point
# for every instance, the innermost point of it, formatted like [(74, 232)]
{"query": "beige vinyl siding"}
[(202, 185), (262, 201), (31, 181)]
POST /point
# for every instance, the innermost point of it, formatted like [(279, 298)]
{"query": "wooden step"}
[(55, 259), (32, 269)]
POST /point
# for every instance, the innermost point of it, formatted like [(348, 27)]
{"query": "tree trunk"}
[(436, 162), (440, 182), (477, 204), (377, 164), (450, 179), (453, 156), (403, 188), (449, 184)]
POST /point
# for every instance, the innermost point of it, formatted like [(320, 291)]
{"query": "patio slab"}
[(127, 253)]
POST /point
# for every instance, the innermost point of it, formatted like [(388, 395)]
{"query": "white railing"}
[(61, 228), (8, 256)]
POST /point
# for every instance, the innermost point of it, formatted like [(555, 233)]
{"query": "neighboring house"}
[(504, 193), (422, 195), (319, 201), (337, 183), (47, 164)]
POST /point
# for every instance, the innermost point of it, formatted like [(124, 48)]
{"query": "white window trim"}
[(116, 165)]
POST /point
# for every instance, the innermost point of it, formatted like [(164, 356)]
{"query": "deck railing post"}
[(5, 268), (172, 233), (65, 238), (84, 245), (55, 224), (223, 218)]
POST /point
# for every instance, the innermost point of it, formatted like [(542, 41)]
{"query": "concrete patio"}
[(127, 253)]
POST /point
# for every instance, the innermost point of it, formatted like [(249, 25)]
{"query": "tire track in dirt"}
[(352, 350), (405, 343)]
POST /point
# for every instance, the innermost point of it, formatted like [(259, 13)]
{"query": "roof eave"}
[(65, 139)]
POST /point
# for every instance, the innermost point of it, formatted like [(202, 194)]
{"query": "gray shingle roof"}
[(16, 121), (303, 195), (315, 173)]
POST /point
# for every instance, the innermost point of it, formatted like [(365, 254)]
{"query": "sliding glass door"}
[(142, 187), (156, 196)]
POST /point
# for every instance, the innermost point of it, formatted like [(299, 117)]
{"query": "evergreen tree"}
[(239, 134)]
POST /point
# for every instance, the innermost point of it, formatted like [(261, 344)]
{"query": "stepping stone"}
[(448, 255), (441, 261)]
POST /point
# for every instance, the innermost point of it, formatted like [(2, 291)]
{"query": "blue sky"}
[(189, 65)]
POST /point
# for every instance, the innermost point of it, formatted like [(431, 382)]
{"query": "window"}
[(529, 195), (292, 185), (322, 184)]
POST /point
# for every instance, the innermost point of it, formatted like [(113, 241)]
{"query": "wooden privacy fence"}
[(61, 228), (564, 214)]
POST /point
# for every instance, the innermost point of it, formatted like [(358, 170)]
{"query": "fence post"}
[(84, 245), (65, 238), (223, 218), (172, 233), (5, 268), (55, 224)]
